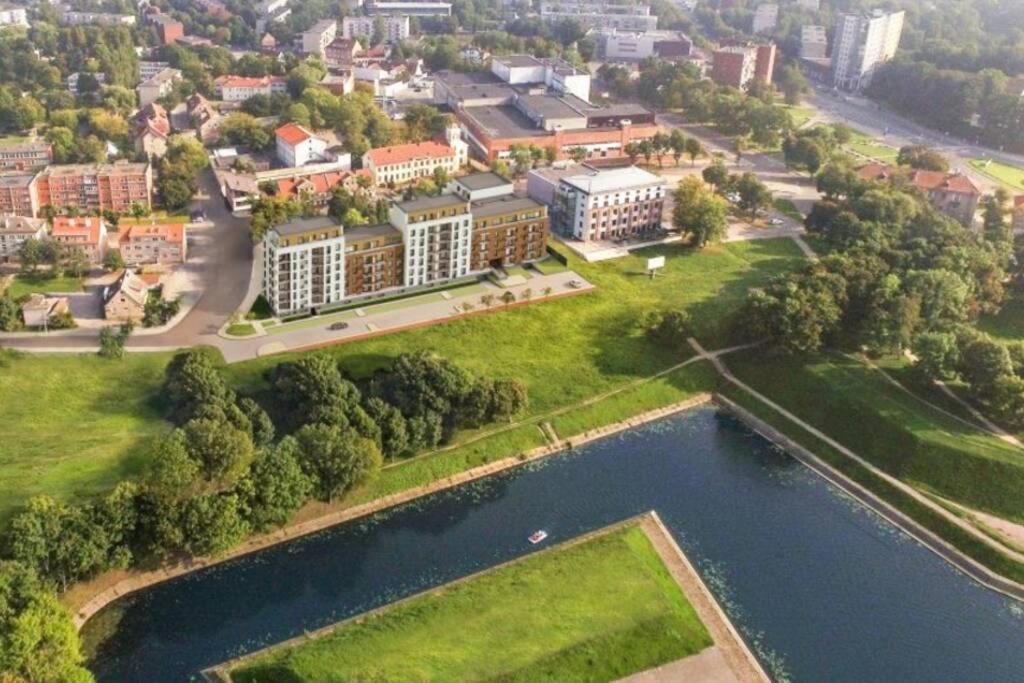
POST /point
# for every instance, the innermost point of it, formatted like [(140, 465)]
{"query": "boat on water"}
[(538, 536)]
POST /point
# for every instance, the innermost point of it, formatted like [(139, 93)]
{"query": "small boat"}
[(538, 536)]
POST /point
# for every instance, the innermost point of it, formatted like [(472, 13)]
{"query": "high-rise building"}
[(813, 42), (766, 18), (437, 233), (862, 43), (624, 15), (736, 65), (304, 265)]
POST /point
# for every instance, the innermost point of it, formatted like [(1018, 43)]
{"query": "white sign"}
[(655, 263)]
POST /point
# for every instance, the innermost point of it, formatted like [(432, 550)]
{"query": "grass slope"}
[(1009, 176), (596, 611), (894, 430), (72, 426)]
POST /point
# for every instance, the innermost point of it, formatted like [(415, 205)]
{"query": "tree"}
[(754, 195), (192, 382), (693, 149), (212, 523), (716, 175), (112, 340), (677, 143), (698, 213), (335, 458), (938, 355), (275, 486), (921, 157), (487, 300), (311, 390), (262, 426), (38, 640), (797, 313), (546, 292), (982, 362), (577, 154), (31, 254), (668, 329), (943, 294), (221, 449), (172, 474), (112, 260), (244, 130), (394, 434), (441, 178), (647, 150), (995, 227), (507, 297), (793, 83)]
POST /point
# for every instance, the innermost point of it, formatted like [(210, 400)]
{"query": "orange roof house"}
[(954, 194), (405, 163), (86, 233), (153, 243)]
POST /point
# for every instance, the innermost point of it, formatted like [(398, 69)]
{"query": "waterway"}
[(821, 588)]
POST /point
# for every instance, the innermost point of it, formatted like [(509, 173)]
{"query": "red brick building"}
[(18, 195), (95, 187), (168, 30)]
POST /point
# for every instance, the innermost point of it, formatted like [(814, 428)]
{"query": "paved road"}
[(225, 255)]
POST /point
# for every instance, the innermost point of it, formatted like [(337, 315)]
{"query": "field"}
[(565, 350), (596, 611), (241, 330), (866, 145), (801, 114), (788, 208), (73, 425), (1008, 324), (1010, 176), (896, 431), (42, 283)]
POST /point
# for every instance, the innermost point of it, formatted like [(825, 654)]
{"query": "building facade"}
[(304, 265), (861, 43), (15, 231), (18, 195), (813, 42), (951, 193), (241, 88), (374, 259), (125, 300), (766, 17), (410, 8), (87, 234), (91, 188), (735, 66), (508, 230), (298, 146), (395, 29), (618, 14), (437, 233), (164, 243), (160, 85), (319, 36), (25, 156), (407, 163), (13, 15)]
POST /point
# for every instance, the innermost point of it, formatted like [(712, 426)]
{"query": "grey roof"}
[(364, 231), (519, 60), (305, 225), (500, 205), (425, 203), (504, 121), (481, 181), (16, 179), (550, 107), (457, 78)]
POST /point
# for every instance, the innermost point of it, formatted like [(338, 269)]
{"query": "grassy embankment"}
[(42, 282), (595, 611), (93, 416), (1009, 176)]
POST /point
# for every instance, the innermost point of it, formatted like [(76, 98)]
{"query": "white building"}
[(589, 204), (862, 43), (625, 15), (304, 265), (12, 15), (412, 8), (407, 163), (766, 18), (477, 186), (813, 42), (149, 69), (437, 233), (100, 18), (298, 146), (395, 28), (552, 72), (15, 230), (241, 88), (271, 11), (317, 38), (160, 85)]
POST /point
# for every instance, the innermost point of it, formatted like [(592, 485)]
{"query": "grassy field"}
[(788, 208), (801, 114), (1008, 324), (91, 417), (596, 611), (42, 283), (73, 425), (1010, 176), (894, 430), (873, 150)]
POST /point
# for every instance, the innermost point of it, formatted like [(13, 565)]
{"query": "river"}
[(821, 588)]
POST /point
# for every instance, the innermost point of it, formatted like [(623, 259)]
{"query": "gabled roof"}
[(86, 226), (230, 81), (170, 232), (294, 134), (398, 154), (949, 182), (132, 286)]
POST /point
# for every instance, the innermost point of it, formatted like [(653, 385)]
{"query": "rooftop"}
[(294, 134), (301, 225), (397, 154), (482, 181), (96, 169), (427, 203), (12, 224), (360, 232), (608, 180), (24, 145), (519, 60), (549, 107), (502, 205), (504, 121), (89, 227), (16, 180), (171, 232), (163, 76)]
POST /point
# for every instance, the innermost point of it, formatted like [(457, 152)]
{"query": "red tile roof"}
[(398, 154), (171, 232), (88, 227), (294, 134), (926, 180), (245, 81)]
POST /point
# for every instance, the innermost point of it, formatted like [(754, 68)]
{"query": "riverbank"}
[(130, 582), (546, 613)]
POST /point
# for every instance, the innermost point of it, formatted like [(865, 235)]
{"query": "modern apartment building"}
[(395, 28), (319, 36), (507, 230), (25, 155), (241, 88), (437, 233), (90, 188), (14, 231), (589, 204), (18, 195), (862, 43), (304, 265), (87, 234), (373, 259), (407, 163), (619, 14), (736, 66), (155, 243)]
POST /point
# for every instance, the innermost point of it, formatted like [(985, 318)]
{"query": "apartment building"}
[(507, 230), (14, 231), (813, 42), (374, 259), (625, 15), (589, 204), (13, 15), (25, 155), (437, 233), (766, 18), (241, 88), (862, 43), (304, 265), (18, 195), (319, 36), (395, 29), (736, 66), (154, 243), (159, 85), (411, 8), (87, 234), (400, 164), (72, 18), (91, 188)]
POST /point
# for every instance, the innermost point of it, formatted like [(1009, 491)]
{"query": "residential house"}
[(409, 162), (160, 85), (203, 118), (238, 190), (151, 129), (125, 300), (15, 231), (861, 43), (268, 44), (87, 234), (298, 146), (316, 39), (13, 15), (303, 265), (160, 243), (241, 88), (507, 230), (437, 233), (340, 53), (40, 309), (316, 188), (951, 193)]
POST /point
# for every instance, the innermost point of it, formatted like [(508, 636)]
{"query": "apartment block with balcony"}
[(437, 233), (18, 195), (91, 188), (87, 234), (304, 265), (15, 231), (25, 155), (395, 29), (861, 43), (508, 230), (163, 243), (373, 259)]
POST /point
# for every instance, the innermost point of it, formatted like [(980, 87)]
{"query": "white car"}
[(776, 221)]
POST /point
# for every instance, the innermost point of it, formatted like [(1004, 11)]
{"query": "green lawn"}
[(72, 426), (874, 150), (595, 611), (1008, 324), (1010, 176), (894, 430), (788, 208), (801, 114), (549, 266), (42, 283), (241, 330)]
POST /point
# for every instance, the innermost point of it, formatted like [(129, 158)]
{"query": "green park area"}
[(94, 415), (1010, 176), (43, 283), (867, 146), (1008, 324), (801, 114), (905, 434), (594, 611)]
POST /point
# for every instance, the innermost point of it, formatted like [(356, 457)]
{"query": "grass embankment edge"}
[(979, 561)]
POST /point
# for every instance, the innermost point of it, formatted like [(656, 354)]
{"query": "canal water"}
[(821, 588)]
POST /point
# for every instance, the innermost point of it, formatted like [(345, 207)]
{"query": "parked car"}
[(776, 221), (575, 284), (198, 216), (338, 326)]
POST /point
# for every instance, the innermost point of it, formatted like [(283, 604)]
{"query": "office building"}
[(861, 44), (637, 45)]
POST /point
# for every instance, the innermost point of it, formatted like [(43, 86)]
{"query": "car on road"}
[(575, 284), (776, 221), (334, 327), (198, 216)]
